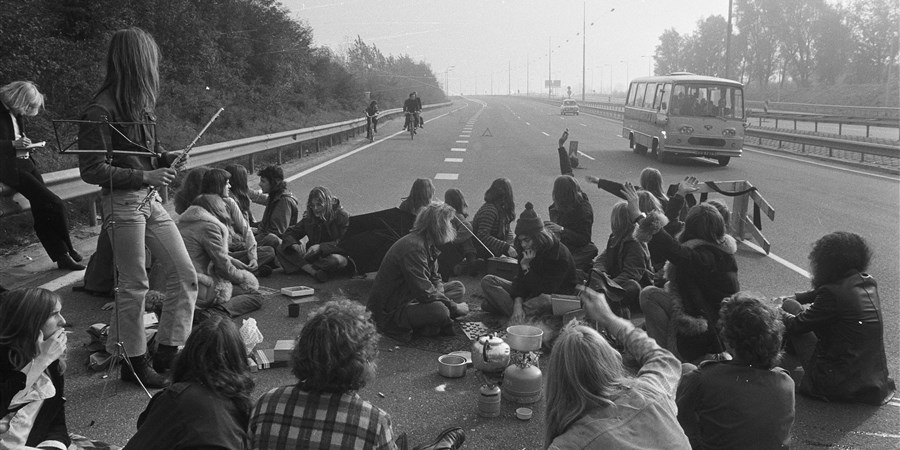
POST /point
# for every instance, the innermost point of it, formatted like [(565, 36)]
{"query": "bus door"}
[(661, 104)]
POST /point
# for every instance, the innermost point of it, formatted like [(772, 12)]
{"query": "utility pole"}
[(583, 44), (526, 74), (728, 42), (509, 77), (549, 67)]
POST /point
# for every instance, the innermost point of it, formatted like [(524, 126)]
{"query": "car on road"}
[(568, 106)]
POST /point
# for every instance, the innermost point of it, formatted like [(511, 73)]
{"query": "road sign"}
[(552, 83)]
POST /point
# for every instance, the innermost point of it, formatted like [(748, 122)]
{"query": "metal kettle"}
[(490, 354)]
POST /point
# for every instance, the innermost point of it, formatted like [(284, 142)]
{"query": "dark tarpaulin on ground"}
[(370, 236)]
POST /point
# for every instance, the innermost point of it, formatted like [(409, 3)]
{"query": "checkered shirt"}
[(289, 418)]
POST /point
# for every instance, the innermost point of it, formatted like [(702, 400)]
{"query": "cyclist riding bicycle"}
[(372, 117), (411, 107)]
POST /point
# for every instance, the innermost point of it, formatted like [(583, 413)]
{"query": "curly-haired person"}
[(333, 357), (747, 402), (839, 335)]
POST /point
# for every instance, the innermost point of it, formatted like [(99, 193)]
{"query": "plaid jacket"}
[(289, 418)]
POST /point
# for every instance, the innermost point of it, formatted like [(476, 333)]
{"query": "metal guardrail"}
[(67, 184), (860, 112), (864, 148)]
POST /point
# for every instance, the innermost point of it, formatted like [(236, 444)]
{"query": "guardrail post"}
[(250, 164), (280, 157), (840, 127), (317, 145)]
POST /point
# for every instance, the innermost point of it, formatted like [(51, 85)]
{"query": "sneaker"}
[(449, 439)]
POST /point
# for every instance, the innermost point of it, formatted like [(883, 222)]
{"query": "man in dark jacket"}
[(281, 207)]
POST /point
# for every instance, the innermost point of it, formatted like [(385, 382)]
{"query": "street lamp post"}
[(649, 60), (610, 77), (626, 71), (447, 79)]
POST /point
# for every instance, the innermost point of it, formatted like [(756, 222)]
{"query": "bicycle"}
[(412, 118), (369, 123)]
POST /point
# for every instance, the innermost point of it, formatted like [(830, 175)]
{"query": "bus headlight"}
[(686, 129), (728, 132)]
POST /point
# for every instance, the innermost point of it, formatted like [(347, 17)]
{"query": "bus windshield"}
[(707, 100)]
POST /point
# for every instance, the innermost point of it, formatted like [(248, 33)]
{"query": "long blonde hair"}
[(433, 223), (132, 72), (22, 98), (583, 373)]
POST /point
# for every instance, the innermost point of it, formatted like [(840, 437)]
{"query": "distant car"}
[(568, 107)]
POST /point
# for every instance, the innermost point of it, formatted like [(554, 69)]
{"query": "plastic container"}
[(524, 338), (451, 366), (524, 413), (489, 401)]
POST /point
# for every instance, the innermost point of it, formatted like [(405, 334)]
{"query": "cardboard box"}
[(297, 291), (283, 349)]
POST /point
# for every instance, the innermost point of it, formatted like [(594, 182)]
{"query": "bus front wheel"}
[(723, 160), (638, 148)]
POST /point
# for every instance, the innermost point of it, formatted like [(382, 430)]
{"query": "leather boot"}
[(162, 359), (66, 262), (142, 369), (449, 439)]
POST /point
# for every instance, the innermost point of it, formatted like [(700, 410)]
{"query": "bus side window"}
[(648, 98), (665, 90), (639, 98)]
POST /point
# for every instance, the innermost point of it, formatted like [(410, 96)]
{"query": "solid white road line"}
[(446, 176), (457, 149), (63, 281), (777, 258), (453, 160), (586, 156), (815, 163), (544, 133)]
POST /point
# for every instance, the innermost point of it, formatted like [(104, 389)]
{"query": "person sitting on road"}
[(242, 246), (836, 329), (593, 403), (240, 191), (208, 404), (701, 271), (571, 219), (408, 295), (333, 358), (625, 259), (324, 223), (281, 207), (747, 402), (491, 223), (32, 362), (459, 256), (190, 188), (223, 285), (421, 194), (545, 267)]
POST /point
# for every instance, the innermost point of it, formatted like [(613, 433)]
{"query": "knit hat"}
[(529, 222)]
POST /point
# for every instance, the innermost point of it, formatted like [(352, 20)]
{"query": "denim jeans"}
[(129, 231), (499, 301)]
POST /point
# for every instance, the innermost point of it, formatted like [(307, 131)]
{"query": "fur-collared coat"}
[(206, 240), (700, 274)]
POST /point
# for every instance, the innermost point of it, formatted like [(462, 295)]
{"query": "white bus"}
[(683, 114)]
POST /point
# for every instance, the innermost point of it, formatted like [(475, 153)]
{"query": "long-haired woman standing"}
[(127, 100)]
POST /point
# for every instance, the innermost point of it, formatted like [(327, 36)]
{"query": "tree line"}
[(807, 42), (249, 56)]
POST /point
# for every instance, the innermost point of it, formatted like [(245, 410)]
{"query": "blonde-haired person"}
[(19, 171), (127, 99), (408, 295), (324, 223), (625, 259), (593, 403)]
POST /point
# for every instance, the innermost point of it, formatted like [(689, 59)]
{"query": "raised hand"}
[(688, 186), (564, 137)]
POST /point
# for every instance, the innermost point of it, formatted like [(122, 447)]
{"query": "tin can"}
[(489, 401)]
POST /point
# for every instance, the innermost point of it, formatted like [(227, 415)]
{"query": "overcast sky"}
[(483, 38)]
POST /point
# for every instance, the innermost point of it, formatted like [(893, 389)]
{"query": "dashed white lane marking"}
[(777, 259), (802, 160), (582, 124), (545, 133), (465, 135), (453, 160), (462, 142), (351, 153), (618, 135), (528, 123), (457, 149), (447, 176), (63, 281), (586, 156)]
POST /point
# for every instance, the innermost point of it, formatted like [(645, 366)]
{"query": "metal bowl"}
[(452, 366), (524, 338)]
